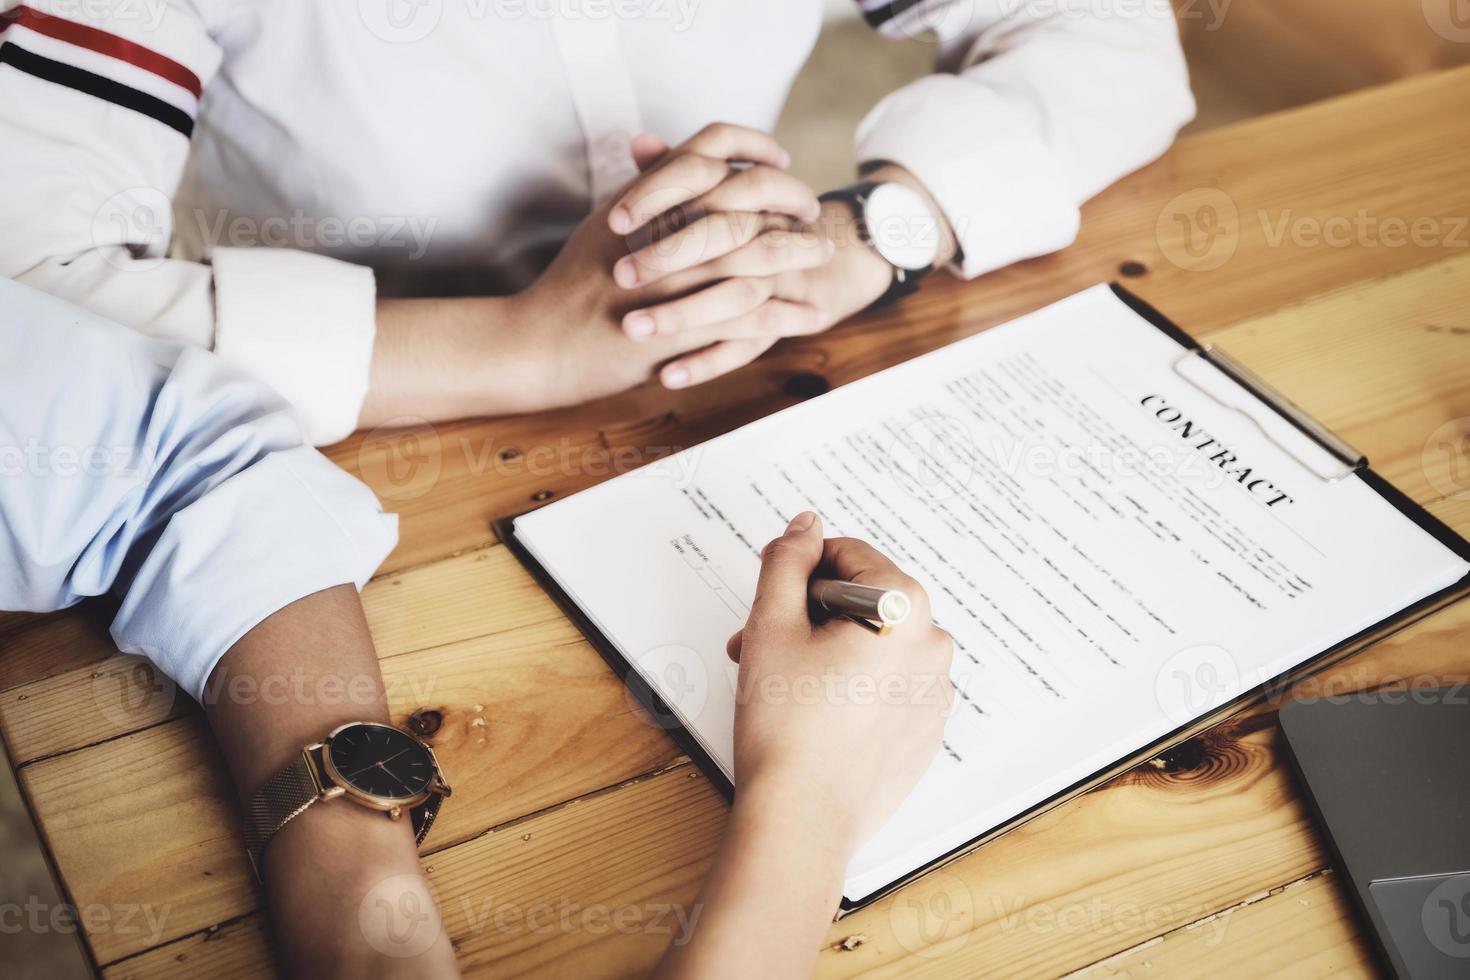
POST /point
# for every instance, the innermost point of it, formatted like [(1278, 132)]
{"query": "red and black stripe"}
[(90, 83)]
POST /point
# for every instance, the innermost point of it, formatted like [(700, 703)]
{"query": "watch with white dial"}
[(897, 223)]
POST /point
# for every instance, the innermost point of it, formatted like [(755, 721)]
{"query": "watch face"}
[(902, 227), (381, 761)]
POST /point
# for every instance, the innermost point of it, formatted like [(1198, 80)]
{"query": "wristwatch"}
[(898, 224), (376, 766)]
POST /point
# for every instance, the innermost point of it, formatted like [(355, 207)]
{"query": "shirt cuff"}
[(302, 323), (1004, 194), (291, 525)]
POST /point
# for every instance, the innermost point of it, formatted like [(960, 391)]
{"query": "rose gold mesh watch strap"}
[(287, 794), (283, 798)]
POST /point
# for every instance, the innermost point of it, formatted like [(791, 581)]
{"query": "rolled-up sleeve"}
[(169, 476), (97, 107), (1036, 109)]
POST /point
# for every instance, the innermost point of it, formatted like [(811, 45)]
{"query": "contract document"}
[(1121, 537)]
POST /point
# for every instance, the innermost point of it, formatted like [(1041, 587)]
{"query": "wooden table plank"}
[(33, 647), (1303, 929)]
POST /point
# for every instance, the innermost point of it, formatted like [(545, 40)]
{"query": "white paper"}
[(1105, 578)]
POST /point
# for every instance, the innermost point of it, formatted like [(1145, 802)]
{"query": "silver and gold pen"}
[(867, 605)]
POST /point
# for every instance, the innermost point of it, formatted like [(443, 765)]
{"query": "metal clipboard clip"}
[(1297, 433)]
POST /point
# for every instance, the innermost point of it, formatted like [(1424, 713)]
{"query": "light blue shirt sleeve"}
[(157, 471)]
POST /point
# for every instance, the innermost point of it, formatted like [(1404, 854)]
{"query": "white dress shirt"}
[(162, 473), (440, 147)]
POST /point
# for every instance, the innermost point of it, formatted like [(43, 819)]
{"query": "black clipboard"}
[(1355, 466)]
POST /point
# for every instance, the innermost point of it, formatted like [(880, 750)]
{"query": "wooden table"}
[(576, 825)]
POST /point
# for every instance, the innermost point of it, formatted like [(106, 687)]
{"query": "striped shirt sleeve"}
[(98, 102)]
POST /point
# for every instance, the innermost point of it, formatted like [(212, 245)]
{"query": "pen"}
[(878, 609)]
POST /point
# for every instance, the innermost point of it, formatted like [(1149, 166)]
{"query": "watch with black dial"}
[(897, 223), (374, 765)]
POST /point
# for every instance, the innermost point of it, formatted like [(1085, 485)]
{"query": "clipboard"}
[(1347, 464)]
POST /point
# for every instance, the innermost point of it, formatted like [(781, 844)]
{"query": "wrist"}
[(450, 358), (765, 802), (519, 366), (339, 878), (856, 276)]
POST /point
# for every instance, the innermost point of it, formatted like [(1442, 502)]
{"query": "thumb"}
[(786, 566)]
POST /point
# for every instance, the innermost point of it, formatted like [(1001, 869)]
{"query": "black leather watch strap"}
[(905, 281)]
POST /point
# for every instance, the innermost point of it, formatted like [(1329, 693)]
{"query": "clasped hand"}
[(699, 265)]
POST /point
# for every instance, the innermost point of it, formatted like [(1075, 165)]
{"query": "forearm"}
[(288, 682), (441, 359), (778, 877)]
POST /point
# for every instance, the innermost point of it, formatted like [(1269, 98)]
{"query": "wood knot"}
[(639, 432), (1133, 270), (1187, 756), (509, 454), (1210, 757), (426, 722), (805, 385)]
